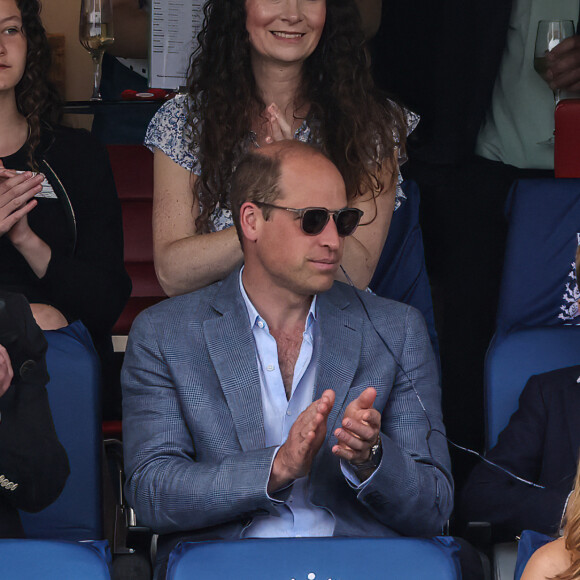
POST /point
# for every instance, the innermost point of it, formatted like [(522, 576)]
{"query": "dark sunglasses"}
[(314, 219)]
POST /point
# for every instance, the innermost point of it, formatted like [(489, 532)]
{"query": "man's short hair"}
[(256, 178)]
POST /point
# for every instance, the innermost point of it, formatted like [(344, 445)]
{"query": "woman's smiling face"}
[(12, 46), (284, 31)]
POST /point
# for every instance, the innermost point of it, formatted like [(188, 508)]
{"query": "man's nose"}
[(329, 235)]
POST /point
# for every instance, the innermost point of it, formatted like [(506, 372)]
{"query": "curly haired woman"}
[(268, 70), (61, 240)]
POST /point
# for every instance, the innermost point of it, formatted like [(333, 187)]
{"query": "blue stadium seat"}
[(537, 325), (74, 394), (401, 273), (315, 559), (513, 358), (52, 560), (538, 286), (537, 329)]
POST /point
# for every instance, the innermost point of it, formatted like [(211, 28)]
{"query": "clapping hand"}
[(360, 429), (306, 436), (17, 191)]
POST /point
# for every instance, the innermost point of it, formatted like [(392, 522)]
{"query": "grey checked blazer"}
[(193, 427)]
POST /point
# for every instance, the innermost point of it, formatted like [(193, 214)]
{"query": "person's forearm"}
[(197, 261), (410, 511), (35, 251), (363, 249), (417, 453), (279, 476), (196, 495), (171, 484), (358, 264), (514, 506), (30, 453)]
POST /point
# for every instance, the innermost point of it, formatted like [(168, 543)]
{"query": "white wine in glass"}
[(95, 34), (550, 34)]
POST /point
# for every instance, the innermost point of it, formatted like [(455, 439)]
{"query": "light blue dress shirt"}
[(296, 516)]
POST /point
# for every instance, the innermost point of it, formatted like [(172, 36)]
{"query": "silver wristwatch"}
[(372, 462)]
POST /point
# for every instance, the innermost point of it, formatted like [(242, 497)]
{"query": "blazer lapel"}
[(339, 349), (230, 343)]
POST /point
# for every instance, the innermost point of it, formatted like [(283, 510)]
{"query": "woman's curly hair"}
[(36, 98), (357, 126)]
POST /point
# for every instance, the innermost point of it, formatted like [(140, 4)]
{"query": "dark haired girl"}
[(61, 242)]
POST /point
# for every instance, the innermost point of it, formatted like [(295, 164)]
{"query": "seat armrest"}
[(505, 556)]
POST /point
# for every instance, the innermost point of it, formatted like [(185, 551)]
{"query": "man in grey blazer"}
[(278, 402)]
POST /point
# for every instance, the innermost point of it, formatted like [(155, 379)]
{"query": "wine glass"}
[(550, 34), (95, 34)]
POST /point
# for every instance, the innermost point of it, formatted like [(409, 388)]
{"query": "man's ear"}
[(250, 220)]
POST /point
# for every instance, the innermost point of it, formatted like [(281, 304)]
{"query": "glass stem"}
[(97, 57)]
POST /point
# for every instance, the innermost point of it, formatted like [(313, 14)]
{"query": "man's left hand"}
[(360, 429), (564, 65)]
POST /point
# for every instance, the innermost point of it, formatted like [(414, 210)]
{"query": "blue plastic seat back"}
[(75, 403), (53, 560), (315, 559), (529, 542), (539, 282), (401, 273), (513, 358)]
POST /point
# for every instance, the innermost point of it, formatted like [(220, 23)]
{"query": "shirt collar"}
[(254, 315)]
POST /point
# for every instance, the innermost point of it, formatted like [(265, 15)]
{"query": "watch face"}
[(376, 453)]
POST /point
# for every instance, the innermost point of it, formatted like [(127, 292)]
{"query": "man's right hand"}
[(6, 372), (306, 436), (564, 65)]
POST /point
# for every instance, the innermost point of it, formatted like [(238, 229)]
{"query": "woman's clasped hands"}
[(17, 191), (279, 129)]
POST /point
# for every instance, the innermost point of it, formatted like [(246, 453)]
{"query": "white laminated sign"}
[(175, 25)]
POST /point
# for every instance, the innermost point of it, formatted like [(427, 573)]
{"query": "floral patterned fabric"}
[(169, 133)]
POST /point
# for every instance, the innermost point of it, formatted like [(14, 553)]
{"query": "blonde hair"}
[(572, 525)]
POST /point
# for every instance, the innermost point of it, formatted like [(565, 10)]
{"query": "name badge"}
[(46, 192)]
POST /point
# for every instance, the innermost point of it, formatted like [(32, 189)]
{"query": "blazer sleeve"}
[(33, 463), (510, 505), (92, 285), (412, 489), (31, 455), (167, 486)]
